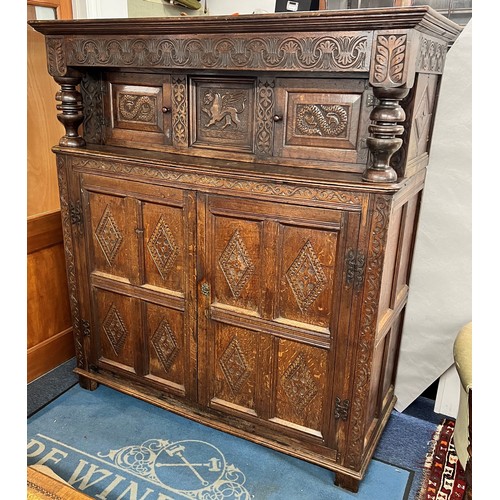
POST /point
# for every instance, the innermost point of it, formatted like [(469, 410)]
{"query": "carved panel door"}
[(142, 276), (272, 290)]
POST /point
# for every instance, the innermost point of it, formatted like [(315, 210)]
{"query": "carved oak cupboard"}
[(240, 198)]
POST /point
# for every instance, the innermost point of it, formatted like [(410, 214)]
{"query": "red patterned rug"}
[(443, 475)]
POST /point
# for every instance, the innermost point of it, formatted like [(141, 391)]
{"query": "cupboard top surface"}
[(423, 19)]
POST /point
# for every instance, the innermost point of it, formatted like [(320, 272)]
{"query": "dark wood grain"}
[(238, 235)]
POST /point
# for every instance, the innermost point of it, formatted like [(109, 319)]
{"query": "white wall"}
[(440, 300)]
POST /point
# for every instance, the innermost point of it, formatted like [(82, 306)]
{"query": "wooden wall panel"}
[(49, 332), (50, 340)]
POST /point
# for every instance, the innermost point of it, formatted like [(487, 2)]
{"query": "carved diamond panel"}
[(165, 345), (299, 384), (306, 277), (234, 365), (115, 330), (162, 247), (108, 235), (236, 264)]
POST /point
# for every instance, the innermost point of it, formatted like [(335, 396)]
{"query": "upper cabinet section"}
[(334, 90)]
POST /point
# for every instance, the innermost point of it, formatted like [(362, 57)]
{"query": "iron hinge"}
[(85, 328), (355, 269), (341, 409), (75, 213)]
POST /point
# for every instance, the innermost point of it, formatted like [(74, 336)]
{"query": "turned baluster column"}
[(71, 107), (385, 129)]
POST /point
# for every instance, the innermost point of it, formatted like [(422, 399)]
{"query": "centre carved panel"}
[(137, 108), (224, 114)]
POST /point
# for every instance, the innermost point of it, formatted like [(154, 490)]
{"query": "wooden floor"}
[(44, 487)]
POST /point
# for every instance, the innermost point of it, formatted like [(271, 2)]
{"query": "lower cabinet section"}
[(257, 315)]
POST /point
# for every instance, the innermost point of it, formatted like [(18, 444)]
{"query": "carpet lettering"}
[(161, 470)]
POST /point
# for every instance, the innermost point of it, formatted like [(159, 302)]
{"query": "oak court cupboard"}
[(240, 198)]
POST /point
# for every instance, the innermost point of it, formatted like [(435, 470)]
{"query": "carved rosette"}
[(70, 261), (323, 51), (367, 331)]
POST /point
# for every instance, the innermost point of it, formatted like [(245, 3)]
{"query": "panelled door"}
[(141, 244), (269, 315)]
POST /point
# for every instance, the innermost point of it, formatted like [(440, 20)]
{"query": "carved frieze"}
[(432, 55), (278, 190), (321, 51)]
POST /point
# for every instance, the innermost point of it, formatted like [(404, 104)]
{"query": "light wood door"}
[(49, 335)]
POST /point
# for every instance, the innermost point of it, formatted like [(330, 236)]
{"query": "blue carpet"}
[(113, 446)]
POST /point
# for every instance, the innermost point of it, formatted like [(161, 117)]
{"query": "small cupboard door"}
[(271, 293), (142, 277)]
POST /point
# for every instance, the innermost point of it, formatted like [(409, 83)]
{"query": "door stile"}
[(202, 281), (191, 296), (340, 327)]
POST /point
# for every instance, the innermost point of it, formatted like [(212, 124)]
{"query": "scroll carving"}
[(279, 52)]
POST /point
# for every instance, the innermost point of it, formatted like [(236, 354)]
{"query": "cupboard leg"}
[(87, 384), (347, 482)]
